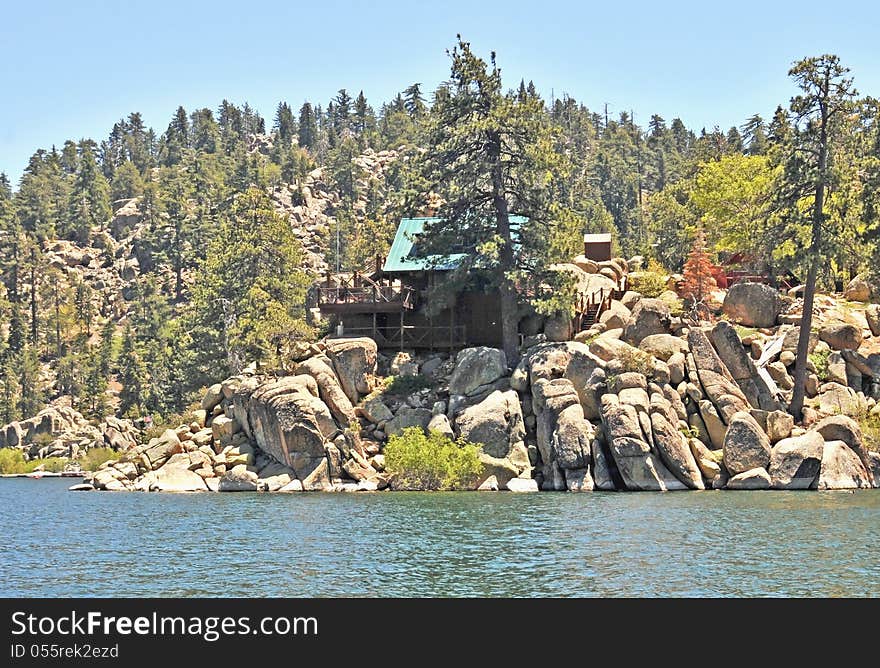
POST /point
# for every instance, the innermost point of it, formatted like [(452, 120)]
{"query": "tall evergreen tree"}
[(819, 116), (89, 201), (285, 123), (507, 173), (308, 126)]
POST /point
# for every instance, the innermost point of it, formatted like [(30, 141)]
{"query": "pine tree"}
[(820, 113), (89, 202), (285, 124), (364, 119), (32, 387), (127, 182), (754, 135), (340, 112), (510, 173), (308, 126), (413, 101), (249, 295), (175, 139), (132, 375)]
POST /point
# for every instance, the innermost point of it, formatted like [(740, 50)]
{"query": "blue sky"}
[(71, 69)]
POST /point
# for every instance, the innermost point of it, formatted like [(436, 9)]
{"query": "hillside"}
[(140, 268)]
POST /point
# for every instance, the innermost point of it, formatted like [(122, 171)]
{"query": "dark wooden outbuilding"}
[(597, 247)]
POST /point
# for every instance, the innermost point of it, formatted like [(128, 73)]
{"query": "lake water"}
[(60, 543)]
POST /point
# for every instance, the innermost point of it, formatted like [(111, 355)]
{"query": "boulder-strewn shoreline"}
[(652, 405)]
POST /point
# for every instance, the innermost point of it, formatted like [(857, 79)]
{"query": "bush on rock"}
[(431, 462)]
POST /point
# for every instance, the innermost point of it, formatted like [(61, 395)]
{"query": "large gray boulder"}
[(496, 423), (179, 478), (756, 478), (331, 393), (650, 316), (675, 451), (841, 468), (570, 360), (795, 462), (663, 346), (841, 336), (714, 376), (752, 304), (844, 428), (238, 479), (746, 446), (160, 449), (616, 316), (858, 290), (288, 422), (354, 361), (475, 368), (408, 417), (564, 435), (639, 468), (741, 367)]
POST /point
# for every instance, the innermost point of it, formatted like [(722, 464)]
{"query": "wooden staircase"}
[(591, 316)]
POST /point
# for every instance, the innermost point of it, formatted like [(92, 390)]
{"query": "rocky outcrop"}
[(496, 423), (742, 368), (329, 388), (650, 316), (289, 422), (746, 446), (845, 429), (841, 336), (675, 451), (752, 305), (795, 462), (639, 467), (564, 435), (354, 361), (476, 368), (61, 431), (841, 468), (714, 377)]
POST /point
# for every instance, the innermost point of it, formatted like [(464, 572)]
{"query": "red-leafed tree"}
[(698, 281)]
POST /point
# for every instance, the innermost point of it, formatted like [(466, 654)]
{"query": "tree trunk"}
[(509, 302), (800, 367), (33, 297)]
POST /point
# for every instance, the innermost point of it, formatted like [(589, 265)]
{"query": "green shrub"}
[(636, 360), (432, 462), (97, 456), (870, 426), (51, 464), (12, 461), (403, 386), (819, 359)]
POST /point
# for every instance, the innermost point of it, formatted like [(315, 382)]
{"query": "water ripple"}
[(424, 545)]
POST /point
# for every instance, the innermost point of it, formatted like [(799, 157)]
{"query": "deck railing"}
[(413, 336), (367, 294)]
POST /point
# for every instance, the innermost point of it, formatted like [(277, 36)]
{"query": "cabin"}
[(597, 247), (391, 303)]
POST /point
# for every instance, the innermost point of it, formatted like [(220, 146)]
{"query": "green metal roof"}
[(402, 258)]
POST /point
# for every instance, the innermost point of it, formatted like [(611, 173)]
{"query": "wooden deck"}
[(362, 294)]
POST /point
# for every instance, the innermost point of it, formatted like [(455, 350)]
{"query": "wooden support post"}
[(401, 330), (374, 327), (451, 327)]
